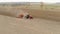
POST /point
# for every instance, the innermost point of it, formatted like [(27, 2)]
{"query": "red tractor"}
[(27, 16)]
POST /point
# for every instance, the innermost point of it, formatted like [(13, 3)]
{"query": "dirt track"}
[(10, 25)]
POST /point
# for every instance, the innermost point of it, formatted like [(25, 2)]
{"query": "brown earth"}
[(45, 22), (11, 25)]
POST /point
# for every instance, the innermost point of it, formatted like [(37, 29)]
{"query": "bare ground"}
[(46, 14), (10, 25)]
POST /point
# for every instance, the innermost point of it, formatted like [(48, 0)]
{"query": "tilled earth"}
[(11, 25)]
